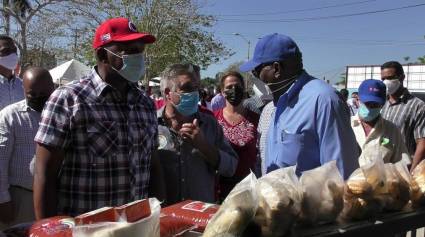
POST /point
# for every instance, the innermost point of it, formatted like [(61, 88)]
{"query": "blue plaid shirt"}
[(107, 139), (10, 91)]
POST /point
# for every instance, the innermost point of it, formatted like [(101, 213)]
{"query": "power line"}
[(322, 17), (300, 10)]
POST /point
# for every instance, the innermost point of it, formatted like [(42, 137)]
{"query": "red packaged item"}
[(195, 212), (134, 211), (104, 214), (59, 226), (171, 226)]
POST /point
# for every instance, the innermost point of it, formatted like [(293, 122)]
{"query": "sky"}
[(328, 45)]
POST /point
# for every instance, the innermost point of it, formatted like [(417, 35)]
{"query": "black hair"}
[(344, 93), (6, 37), (355, 93), (395, 65)]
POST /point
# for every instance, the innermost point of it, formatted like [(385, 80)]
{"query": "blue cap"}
[(271, 48), (372, 91)]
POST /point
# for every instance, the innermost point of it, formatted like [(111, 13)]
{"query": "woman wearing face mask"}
[(239, 127), (375, 135)]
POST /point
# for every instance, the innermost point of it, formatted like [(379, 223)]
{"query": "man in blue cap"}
[(310, 126), (375, 135)]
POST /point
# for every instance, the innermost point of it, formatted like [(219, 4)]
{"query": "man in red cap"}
[(97, 134)]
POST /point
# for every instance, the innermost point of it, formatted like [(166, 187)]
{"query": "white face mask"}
[(9, 61), (261, 90), (392, 85)]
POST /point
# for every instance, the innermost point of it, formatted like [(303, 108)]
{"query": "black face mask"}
[(234, 95), (37, 103)]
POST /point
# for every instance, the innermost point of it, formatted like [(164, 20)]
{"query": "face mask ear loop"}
[(116, 55)]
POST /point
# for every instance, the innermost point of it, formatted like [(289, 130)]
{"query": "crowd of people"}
[(103, 141)]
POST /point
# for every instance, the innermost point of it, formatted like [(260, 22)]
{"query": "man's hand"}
[(192, 133), (7, 213)]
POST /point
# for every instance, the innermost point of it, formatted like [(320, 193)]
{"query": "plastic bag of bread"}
[(148, 226), (417, 185), (237, 210), (396, 194), (280, 195), (323, 190), (361, 191)]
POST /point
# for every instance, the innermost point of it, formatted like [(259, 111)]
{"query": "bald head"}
[(38, 85)]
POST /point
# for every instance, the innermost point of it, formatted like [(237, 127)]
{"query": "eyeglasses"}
[(256, 72)]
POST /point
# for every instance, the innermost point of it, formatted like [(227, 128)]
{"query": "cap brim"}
[(371, 98), (146, 38), (249, 66)]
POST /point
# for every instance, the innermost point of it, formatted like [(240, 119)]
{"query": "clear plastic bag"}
[(417, 185), (362, 189), (148, 226), (396, 194), (323, 190), (280, 196), (237, 210)]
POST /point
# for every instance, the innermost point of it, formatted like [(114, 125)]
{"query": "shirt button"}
[(94, 165), (182, 180)]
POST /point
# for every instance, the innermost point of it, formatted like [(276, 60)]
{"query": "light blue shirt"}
[(310, 128), (10, 91)]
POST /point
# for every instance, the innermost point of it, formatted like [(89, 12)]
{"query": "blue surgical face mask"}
[(188, 103), (133, 66), (368, 114)]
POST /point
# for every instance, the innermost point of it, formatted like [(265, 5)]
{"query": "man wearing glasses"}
[(406, 111), (192, 148), (310, 125)]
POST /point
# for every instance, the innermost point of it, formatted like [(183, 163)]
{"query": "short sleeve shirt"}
[(107, 140)]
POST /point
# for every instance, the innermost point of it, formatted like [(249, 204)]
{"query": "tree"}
[(421, 59), (209, 82), (406, 59), (19, 7), (178, 25), (28, 16)]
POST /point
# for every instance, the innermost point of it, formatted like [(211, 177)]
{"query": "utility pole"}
[(75, 42)]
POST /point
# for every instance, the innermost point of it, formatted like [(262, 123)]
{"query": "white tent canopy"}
[(69, 71)]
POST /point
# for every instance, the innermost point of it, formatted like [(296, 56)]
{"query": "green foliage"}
[(181, 31), (209, 82)]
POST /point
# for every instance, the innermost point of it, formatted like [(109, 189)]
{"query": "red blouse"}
[(243, 138)]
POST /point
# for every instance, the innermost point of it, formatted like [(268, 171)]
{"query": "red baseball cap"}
[(119, 30)]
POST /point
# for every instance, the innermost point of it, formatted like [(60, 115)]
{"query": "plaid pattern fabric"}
[(10, 91), (18, 126), (107, 140)]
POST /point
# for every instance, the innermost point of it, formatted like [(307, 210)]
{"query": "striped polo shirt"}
[(408, 114)]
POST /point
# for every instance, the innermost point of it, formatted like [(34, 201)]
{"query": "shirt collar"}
[(23, 107), (405, 96), (3, 79), (101, 87), (98, 83), (293, 91)]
